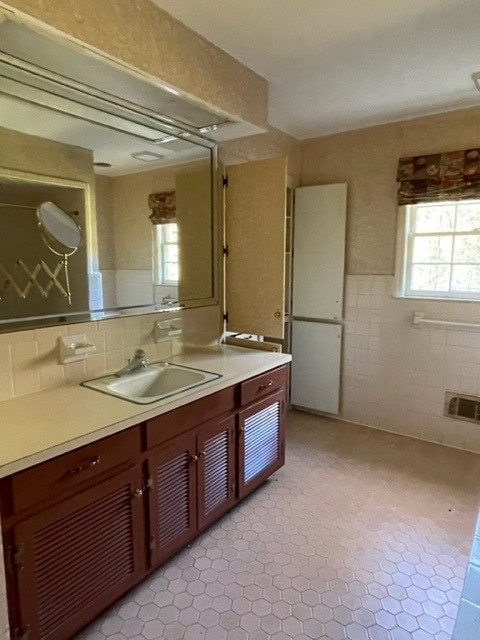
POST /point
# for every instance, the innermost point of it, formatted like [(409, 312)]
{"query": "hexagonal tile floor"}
[(363, 535)]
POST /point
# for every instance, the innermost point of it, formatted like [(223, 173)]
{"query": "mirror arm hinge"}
[(225, 316), (225, 181)]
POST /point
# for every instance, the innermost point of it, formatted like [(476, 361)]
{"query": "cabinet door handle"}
[(194, 458), (201, 454), (84, 467), (265, 386), (138, 493)]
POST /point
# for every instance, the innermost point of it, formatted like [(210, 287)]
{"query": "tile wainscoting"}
[(29, 359), (395, 376)]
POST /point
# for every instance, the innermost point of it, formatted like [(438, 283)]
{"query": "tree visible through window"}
[(166, 253), (442, 250)]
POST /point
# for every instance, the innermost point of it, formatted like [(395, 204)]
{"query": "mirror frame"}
[(15, 324)]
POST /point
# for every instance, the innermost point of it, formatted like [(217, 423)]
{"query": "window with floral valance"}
[(454, 175), (438, 241)]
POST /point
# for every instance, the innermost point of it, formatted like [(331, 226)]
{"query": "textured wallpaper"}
[(144, 36)]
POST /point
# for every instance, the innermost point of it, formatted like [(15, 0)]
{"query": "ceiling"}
[(345, 64)]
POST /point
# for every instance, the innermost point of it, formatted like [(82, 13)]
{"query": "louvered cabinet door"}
[(261, 442), (80, 556), (173, 515), (215, 470)]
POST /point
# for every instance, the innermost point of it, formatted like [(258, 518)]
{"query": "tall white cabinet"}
[(317, 296)]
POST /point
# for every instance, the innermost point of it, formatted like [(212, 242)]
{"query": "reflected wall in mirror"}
[(106, 171)]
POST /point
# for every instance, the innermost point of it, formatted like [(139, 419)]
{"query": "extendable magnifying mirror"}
[(61, 234)]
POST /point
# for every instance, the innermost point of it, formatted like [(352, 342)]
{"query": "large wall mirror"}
[(107, 188)]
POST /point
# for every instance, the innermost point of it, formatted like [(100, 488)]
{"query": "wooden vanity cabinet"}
[(98, 519), (172, 501), (191, 482), (79, 556), (216, 480), (261, 442)]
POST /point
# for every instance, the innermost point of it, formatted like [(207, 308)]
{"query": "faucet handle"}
[(140, 354)]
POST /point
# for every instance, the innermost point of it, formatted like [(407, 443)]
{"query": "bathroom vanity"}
[(83, 527)]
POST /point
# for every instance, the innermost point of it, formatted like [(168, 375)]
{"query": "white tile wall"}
[(395, 376), (29, 359)]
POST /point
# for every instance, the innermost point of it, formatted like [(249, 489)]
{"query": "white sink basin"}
[(155, 382)]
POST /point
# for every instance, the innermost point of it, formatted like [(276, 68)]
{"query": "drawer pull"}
[(84, 467), (265, 386)]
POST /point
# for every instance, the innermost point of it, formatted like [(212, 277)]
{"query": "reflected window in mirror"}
[(166, 254)]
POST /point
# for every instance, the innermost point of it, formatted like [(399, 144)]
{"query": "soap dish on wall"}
[(165, 329), (74, 348)]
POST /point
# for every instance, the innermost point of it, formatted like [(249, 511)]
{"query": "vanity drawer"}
[(49, 479), (263, 385), (176, 422)]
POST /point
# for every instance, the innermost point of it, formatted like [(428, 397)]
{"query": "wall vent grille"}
[(462, 407)]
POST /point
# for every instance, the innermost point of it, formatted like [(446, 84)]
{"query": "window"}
[(166, 253), (439, 245)]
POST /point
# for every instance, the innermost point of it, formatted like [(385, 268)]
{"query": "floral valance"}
[(442, 176), (163, 206)]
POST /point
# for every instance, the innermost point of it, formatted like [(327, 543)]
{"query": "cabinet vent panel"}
[(216, 471), (101, 534), (262, 440), (462, 407), (173, 499)]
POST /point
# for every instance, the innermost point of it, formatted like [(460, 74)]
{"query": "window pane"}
[(171, 233), (170, 252), (434, 218), (432, 249), (171, 271), (466, 278), (430, 277), (468, 217), (467, 249)]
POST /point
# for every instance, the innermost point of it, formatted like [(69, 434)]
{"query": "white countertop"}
[(40, 426)]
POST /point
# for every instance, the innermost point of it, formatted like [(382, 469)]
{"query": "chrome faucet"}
[(169, 299), (139, 361)]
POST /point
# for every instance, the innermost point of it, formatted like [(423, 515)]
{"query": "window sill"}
[(400, 296)]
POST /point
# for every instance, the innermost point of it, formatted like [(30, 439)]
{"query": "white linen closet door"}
[(319, 251), (315, 378)]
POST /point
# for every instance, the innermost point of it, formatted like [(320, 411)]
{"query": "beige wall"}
[(142, 35), (132, 228), (31, 154), (394, 375), (271, 144), (367, 160)]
